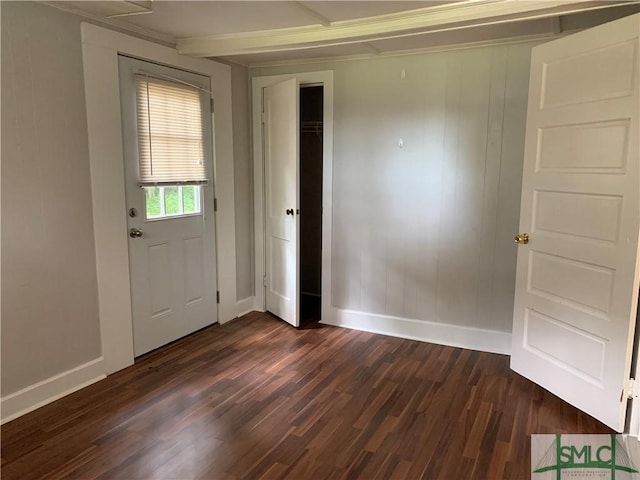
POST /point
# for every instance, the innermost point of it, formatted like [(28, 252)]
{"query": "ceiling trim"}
[(310, 11), (115, 23), (464, 14), (133, 7), (414, 51)]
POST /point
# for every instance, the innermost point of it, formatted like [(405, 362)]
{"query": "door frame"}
[(324, 78), (100, 49)]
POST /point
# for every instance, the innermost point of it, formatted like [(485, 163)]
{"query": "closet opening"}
[(311, 134)]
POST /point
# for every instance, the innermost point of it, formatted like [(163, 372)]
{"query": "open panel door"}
[(281, 131), (577, 282)]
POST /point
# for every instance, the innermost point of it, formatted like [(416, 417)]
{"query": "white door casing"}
[(324, 78), (577, 278), (173, 264), (281, 148), (100, 50)]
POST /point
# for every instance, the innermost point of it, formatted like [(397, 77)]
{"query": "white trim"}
[(633, 419), (315, 14), (258, 83), (439, 18), (115, 22), (453, 335), (100, 48), (51, 389), (539, 37), (245, 306)]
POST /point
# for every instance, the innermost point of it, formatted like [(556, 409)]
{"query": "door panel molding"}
[(577, 279), (282, 191)]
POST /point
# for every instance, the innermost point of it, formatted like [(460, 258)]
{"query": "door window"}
[(171, 201), (171, 158)]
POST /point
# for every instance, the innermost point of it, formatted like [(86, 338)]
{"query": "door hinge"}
[(215, 204), (264, 281), (212, 104), (262, 117), (632, 390), (218, 296)]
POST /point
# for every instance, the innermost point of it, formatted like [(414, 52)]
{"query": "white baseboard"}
[(245, 306), (453, 335), (39, 394)]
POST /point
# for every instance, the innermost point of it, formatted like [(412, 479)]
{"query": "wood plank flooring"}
[(258, 399)]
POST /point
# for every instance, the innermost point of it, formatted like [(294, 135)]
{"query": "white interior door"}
[(281, 131), (577, 282), (171, 231)]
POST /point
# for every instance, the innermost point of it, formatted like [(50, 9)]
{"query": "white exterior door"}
[(577, 277), (281, 131), (171, 231)]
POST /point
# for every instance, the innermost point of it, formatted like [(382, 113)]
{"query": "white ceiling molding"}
[(322, 20), (133, 7), (79, 8), (464, 14), (112, 8), (403, 53), (371, 48)]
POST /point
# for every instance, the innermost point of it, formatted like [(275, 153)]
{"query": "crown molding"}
[(541, 37), (310, 11), (115, 24), (464, 14)]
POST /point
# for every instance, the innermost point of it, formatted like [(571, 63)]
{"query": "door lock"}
[(135, 233), (290, 211)]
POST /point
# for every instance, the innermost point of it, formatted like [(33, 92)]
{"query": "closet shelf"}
[(311, 127)]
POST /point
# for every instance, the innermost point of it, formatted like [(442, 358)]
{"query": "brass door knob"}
[(135, 233), (523, 238)]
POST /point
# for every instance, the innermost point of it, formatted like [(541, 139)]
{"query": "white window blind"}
[(170, 133)]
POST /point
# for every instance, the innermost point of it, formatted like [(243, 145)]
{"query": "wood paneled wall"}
[(424, 230), (426, 183)]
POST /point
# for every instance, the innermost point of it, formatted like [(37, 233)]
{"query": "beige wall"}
[(425, 232), (243, 172), (49, 290)]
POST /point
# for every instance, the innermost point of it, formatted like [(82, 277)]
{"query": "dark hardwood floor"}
[(258, 399)]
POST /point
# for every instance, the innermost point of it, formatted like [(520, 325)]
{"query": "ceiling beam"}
[(463, 14)]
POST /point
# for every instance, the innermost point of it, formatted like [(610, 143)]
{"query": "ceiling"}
[(277, 32)]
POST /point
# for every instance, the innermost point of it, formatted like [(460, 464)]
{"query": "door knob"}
[(523, 238), (135, 233), (290, 211)]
